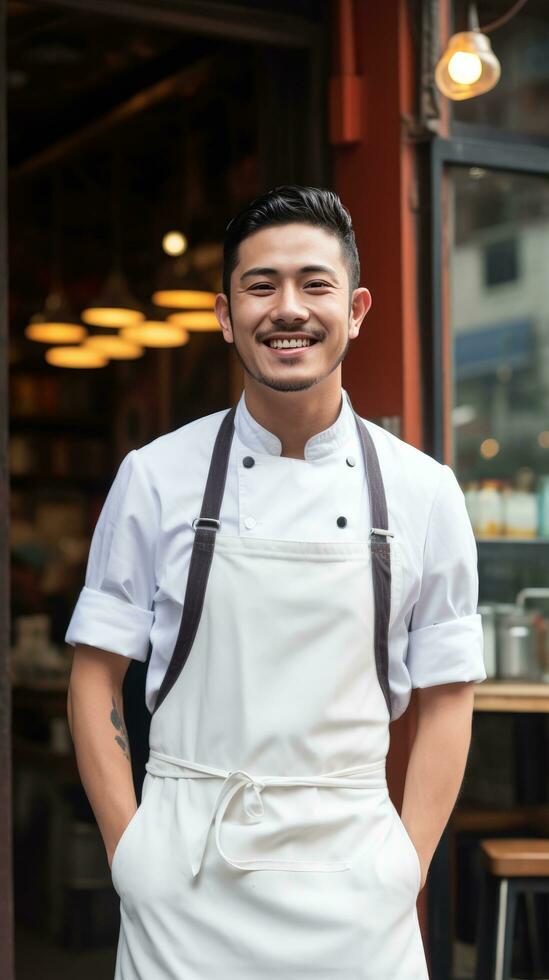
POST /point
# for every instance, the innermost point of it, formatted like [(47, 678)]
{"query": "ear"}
[(223, 318), (361, 302)]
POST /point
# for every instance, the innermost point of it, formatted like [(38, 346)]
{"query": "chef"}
[(294, 570)]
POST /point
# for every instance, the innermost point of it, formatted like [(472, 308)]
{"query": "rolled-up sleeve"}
[(114, 609), (445, 642)]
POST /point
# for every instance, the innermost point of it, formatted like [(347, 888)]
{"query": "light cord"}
[(500, 21)]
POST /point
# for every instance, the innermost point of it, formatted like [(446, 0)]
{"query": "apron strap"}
[(205, 529), (381, 559), (207, 525)]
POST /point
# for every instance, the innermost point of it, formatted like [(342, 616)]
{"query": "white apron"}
[(265, 846)]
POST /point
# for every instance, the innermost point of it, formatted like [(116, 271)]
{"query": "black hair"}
[(292, 203)]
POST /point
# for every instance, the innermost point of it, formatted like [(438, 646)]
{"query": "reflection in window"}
[(499, 313), (519, 101)]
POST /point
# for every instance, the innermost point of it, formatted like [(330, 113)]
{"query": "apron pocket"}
[(125, 836), (409, 846)]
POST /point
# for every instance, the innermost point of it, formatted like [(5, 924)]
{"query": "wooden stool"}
[(510, 866)]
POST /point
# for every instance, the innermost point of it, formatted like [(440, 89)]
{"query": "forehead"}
[(289, 246)]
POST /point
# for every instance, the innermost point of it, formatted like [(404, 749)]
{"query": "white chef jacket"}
[(139, 557)]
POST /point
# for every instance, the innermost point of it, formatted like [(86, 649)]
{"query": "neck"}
[(294, 416)]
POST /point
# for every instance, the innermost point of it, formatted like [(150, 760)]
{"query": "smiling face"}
[(291, 316)]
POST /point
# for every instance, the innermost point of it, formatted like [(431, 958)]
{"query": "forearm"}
[(437, 764), (96, 722)]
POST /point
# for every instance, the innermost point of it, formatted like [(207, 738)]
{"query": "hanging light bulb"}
[(115, 346), (468, 67), (195, 320), (156, 333), (75, 357)]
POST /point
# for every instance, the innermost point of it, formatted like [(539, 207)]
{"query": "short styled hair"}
[(287, 204)]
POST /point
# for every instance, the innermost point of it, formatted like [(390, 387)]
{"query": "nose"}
[(288, 306)]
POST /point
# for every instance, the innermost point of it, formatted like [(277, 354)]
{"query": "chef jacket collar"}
[(257, 438)]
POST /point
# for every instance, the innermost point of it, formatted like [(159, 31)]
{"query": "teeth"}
[(277, 344)]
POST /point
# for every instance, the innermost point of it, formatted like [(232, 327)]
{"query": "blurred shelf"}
[(512, 696), (486, 542), (83, 425), (39, 482), (521, 551), (478, 818)]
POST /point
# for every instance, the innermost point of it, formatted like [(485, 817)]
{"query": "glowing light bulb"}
[(465, 68), (174, 243)]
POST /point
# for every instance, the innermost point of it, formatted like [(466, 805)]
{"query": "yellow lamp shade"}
[(468, 67), (75, 357), (55, 333), (110, 316), (112, 345), (186, 299), (156, 333), (195, 320)]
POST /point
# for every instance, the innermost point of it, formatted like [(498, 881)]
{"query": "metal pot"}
[(517, 655)]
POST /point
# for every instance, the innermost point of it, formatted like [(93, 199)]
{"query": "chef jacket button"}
[(350, 461), (250, 523), (248, 462), (342, 522)]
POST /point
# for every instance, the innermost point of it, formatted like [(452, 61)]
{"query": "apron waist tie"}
[(368, 776)]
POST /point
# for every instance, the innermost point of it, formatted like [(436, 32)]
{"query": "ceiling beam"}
[(184, 83), (205, 17)]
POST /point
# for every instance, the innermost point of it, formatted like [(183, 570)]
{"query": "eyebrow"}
[(266, 271)]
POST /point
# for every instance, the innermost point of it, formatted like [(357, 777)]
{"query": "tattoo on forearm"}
[(118, 722)]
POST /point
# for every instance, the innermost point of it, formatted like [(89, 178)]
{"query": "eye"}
[(318, 284), (261, 286)]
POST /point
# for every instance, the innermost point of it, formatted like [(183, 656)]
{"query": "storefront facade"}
[(431, 192)]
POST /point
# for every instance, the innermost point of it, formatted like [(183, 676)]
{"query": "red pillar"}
[(375, 178)]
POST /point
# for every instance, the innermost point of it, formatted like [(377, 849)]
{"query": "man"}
[(296, 570)]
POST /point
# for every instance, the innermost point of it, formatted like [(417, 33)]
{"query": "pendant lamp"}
[(181, 286), (181, 299), (156, 333), (195, 320), (114, 306), (55, 323), (113, 346), (469, 66), (75, 357)]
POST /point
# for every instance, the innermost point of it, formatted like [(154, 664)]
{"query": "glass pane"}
[(498, 228), (519, 102)]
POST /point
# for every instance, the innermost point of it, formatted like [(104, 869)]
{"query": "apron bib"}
[(265, 844)]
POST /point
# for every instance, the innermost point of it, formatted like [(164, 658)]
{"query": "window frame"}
[(524, 158)]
